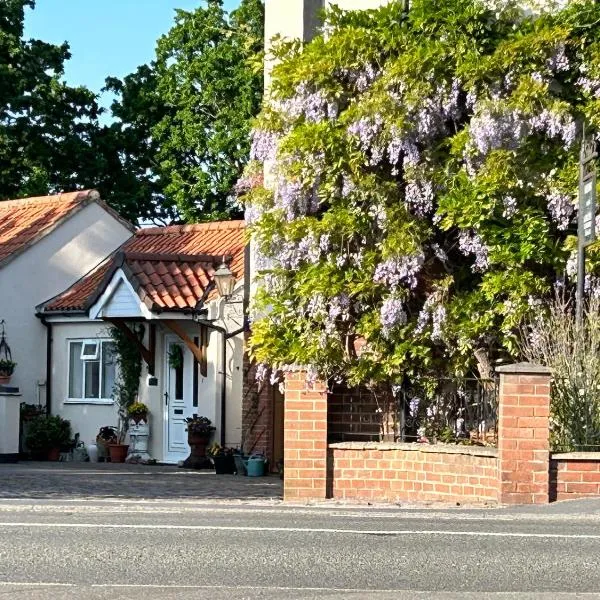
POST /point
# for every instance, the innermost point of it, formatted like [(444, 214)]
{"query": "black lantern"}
[(224, 280)]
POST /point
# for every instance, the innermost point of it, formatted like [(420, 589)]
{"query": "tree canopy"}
[(179, 135), (46, 126), (183, 121), (423, 187)]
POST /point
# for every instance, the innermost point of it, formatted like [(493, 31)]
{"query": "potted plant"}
[(46, 436), (199, 430), (137, 412), (222, 458), (106, 436), (7, 368)]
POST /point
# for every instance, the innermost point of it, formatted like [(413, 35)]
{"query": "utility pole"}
[(586, 226)]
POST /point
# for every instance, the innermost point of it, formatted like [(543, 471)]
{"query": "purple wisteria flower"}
[(492, 130), (261, 373), (264, 145), (555, 125), (392, 314), (590, 85), (295, 199), (418, 197), (559, 61), (368, 132), (361, 78), (413, 406), (561, 209), (471, 243), (252, 213), (510, 207), (308, 102), (402, 270)]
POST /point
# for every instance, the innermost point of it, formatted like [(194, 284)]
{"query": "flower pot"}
[(139, 418), (224, 465), (197, 458), (4, 379), (53, 454), (118, 452)]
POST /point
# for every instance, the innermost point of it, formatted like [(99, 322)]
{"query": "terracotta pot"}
[(4, 379), (118, 452), (53, 454), (197, 458)]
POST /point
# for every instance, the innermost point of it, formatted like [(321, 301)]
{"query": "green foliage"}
[(129, 369), (46, 127), (184, 119), (425, 178), (138, 409), (47, 432)]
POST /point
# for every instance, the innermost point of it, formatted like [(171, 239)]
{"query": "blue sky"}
[(107, 37)]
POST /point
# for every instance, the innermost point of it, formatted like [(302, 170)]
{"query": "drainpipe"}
[(48, 364)]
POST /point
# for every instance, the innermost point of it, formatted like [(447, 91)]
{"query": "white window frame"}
[(87, 358), (90, 356)]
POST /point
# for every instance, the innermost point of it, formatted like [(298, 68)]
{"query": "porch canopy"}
[(158, 275)]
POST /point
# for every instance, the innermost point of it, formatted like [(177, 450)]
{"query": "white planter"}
[(139, 435)]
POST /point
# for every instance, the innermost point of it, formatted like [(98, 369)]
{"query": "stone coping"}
[(434, 448), (575, 456)]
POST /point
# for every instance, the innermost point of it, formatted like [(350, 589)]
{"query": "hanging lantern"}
[(7, 365)]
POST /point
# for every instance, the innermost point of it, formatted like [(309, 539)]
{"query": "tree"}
[(46, 126), (183, 121), (426, 167)]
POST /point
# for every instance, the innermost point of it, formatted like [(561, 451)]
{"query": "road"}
[(181, 550)]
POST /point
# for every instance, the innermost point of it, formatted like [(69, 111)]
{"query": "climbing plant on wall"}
[(421, 185)]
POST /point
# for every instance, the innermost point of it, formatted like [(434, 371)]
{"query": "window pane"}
[(90, 350), (92, 378), (75, 371), (108, 369)]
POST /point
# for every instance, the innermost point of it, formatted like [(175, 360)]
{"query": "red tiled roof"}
[(24, 222), (169, 267)]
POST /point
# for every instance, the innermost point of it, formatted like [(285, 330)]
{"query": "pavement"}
[(79, 480), (134, 543)]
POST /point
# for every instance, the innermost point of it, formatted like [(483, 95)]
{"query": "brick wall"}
[(257, 413), (395, 472), (305, 439), (523, 434), (574, 475)]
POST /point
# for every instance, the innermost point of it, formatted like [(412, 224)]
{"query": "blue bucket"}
[(255, 466)]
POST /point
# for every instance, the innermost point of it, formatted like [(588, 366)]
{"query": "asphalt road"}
[(176, 550)]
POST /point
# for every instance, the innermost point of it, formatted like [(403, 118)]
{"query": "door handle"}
[(166, 398)]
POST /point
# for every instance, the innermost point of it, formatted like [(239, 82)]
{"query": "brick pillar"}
[(304, 438), (523, 434)]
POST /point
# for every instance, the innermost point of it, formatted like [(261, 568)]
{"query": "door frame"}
[(169, 457)]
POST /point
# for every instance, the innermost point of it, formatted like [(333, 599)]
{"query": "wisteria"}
[(561, 209), (261, 373), (559, 61), (418, 196), (556, 125), (509, 204), (471, 243), (392, 178), (402, 270), (368, 131), (392, 314), (308, 102), (264, 145)]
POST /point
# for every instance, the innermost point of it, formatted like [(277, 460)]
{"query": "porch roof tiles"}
[(168, 267)]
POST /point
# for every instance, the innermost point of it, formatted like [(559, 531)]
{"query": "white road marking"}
[(440, 532)]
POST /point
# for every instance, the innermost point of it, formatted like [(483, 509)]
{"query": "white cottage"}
[(162, 278), (46, 244)]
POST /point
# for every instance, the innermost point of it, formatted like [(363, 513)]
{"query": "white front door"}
[(177, 398)]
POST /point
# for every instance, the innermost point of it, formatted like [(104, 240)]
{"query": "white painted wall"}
[(44, 270), (86, 418)]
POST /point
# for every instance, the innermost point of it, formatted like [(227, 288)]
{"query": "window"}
[(92, 368)]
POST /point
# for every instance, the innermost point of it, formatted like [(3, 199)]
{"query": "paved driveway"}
[(80, 481)]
